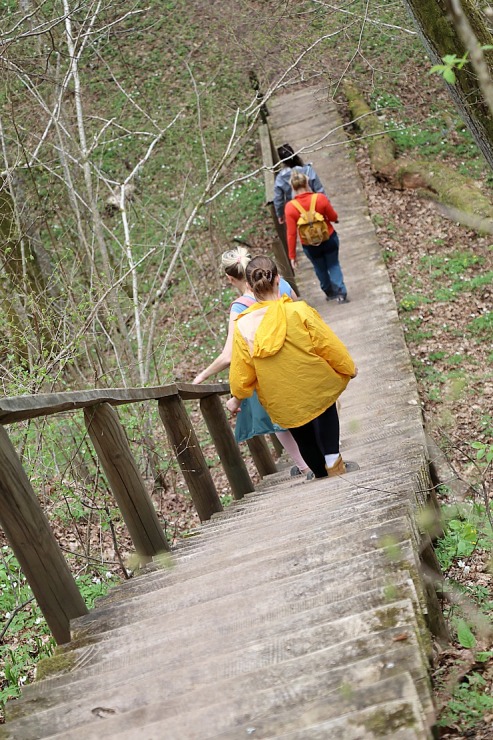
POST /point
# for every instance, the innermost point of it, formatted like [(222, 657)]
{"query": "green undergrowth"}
[(25, 638), (467, 533)]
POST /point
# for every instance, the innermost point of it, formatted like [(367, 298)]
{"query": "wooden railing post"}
[(279, 245), (278, 448), (35, 546), (227, 449), (190, 457), (111, 444), (259, 450)]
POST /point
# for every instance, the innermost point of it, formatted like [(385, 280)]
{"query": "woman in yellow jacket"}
[(295, 362)]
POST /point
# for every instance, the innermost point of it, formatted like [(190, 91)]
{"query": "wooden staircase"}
[(297, 614), (304, 610)]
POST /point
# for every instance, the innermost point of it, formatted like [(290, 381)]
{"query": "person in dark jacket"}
[(282, 186)]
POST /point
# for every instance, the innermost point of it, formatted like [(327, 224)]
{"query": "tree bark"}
[(440, 37), (433, 179)]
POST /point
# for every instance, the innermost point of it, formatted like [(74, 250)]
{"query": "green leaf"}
[(449, 76), (484, 656), (464, 634)]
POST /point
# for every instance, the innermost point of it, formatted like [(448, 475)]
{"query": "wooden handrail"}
[(21, 516), (21, 408), (280, 246)]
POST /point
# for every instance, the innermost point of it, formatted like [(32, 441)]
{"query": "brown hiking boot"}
[(338, 468)]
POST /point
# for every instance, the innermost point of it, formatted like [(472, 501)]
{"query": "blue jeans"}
[(325, 261)]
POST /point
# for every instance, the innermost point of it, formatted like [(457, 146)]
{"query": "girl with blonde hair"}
[(252, 419)]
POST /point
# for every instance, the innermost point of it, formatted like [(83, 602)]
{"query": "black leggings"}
[(318, 438)]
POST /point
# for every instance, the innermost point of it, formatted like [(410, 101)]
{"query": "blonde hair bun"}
[(236, 260), (298, 180)]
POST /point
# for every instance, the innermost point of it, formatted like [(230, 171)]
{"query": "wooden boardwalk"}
[(301, 612)]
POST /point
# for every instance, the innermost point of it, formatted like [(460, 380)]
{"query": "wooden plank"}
[(19, 408), (280, 249), (227, 449), (29, 534), (192, 391), (279, 449), (111, 444), (267, 161), (190, 458), (259, 450)]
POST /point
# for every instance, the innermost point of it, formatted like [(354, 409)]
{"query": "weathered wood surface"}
[(262, 456), (20, 408), (225, 444), (185, 444), (35, 547), (299, 612), (111, 445), (267, 161)]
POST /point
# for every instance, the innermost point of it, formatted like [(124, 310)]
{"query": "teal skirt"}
[(252, 419)]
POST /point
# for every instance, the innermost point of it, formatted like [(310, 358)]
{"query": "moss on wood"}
[(381, 146), (54, 665), (441, 38), (432, 179), (383, 721)]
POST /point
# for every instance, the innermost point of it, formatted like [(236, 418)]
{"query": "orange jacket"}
[(291, 216)]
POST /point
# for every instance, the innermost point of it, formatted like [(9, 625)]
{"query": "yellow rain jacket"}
[(287, 353)]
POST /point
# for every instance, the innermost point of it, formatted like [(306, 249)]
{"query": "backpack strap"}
[(313, 203), (298, 206), (244, 300)]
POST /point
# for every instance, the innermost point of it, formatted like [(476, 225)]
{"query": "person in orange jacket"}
[(325, 256)]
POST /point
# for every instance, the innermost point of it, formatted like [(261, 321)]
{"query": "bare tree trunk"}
[(123, 340), (440, 37), (28, 283)]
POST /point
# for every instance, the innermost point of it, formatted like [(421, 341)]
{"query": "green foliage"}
[(385, 100), (451, 63), (377, 219), (466, 526), (27, 637), (388, 254), (484, 452), (412, 301), (468, 704), (24, 626), (464, 634), (482, 326), (460, 540), (454, 264)]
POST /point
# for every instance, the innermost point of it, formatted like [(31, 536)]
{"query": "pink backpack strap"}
[(244, 300)]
